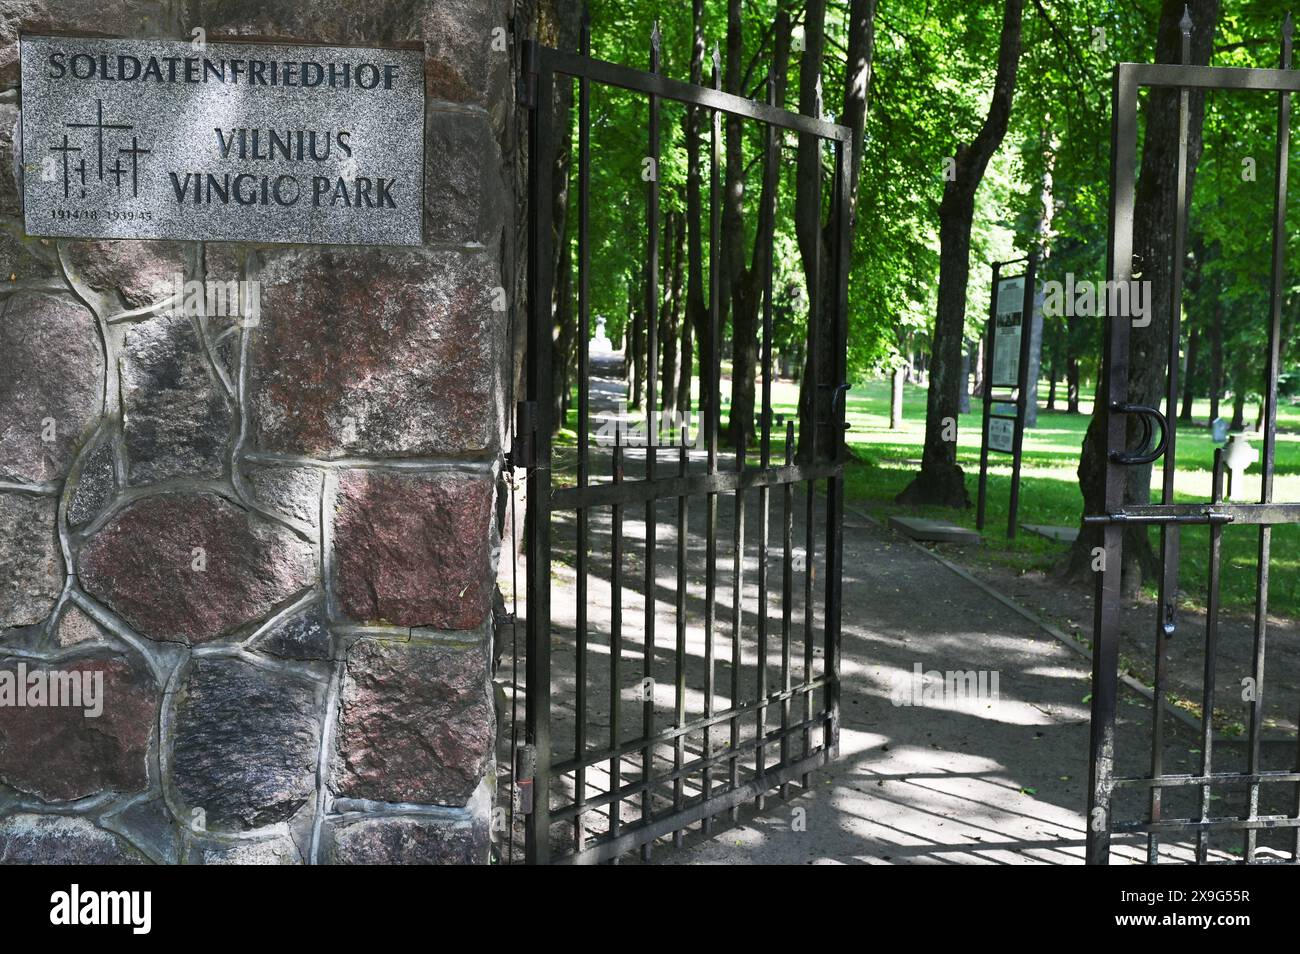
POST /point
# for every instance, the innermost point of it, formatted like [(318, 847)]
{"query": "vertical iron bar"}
[(1270, 429), (835, 485), (652, 443), (679, 749), (765, 458), (1167, 598), (1105, 647), (787, 599), (1211, 651), (616, 637), (538, 668), (813, 388), (737, 615), (737, 612), (514, 654), (709, 378), (584, 381), (986, 412)]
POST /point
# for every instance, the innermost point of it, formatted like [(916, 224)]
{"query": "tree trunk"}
[(1153, 237), (1073, 330), (1216, 358), (638, 354), (677, 326), (941, 481), (567, 28), (963, 396), (1193, 353), (808, 223), (1240, 374), (812, 236), (668, 336), (1053, 357), (747, 282), (697, 311), (562, 348), (896, 399)]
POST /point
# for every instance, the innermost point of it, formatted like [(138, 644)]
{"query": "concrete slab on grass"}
[(1060, 534), (933, 531)]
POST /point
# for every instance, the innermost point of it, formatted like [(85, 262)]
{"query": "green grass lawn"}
[(1049, 487)]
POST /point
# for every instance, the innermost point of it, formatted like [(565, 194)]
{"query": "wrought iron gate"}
[(1201, 788), (617, 782)]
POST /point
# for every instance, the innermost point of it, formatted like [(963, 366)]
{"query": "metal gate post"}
[(538, 517), (843, 211), (1105, 646)]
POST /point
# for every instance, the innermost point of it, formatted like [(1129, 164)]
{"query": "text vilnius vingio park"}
[(155, 139)]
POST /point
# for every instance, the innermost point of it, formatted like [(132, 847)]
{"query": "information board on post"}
[(1006, 364)]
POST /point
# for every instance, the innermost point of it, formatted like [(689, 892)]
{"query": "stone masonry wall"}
[(275, 541)]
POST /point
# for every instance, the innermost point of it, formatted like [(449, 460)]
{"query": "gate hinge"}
[(526, 89), (524, 452), (525, 769)]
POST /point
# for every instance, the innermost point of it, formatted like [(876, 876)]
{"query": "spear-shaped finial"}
[(585, 32), (1185, 24), (655, 35), (1288, 31)]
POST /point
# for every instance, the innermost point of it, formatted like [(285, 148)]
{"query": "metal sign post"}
[(1006, 366)]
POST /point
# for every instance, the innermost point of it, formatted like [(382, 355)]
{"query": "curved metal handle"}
[(839, 403), (838, 395), (1146, 415)]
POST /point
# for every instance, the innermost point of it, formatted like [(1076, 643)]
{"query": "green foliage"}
[(931, 80)]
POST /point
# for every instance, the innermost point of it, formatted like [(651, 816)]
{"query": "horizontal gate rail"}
[(694, 767), (1222, 778), (1207, 77), (697, 485), (674, 733), (1185, 825), (662, 87), (658, 767), (640, 833), (1243, 513)]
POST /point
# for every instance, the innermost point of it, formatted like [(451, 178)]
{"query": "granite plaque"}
[(234, 141)]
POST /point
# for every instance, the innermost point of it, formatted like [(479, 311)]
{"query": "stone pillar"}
[(271, 541)]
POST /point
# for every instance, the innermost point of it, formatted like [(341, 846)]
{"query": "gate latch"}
[(1146, 454), (839, 394), (523, 453), (525, 769)]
